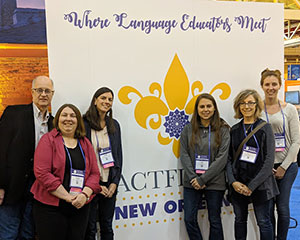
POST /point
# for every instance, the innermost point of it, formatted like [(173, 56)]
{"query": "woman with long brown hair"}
[(105, 134), (204, 147)]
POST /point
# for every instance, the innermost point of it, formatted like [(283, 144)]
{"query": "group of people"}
[(59, 175), (255, 159), (62, 173)]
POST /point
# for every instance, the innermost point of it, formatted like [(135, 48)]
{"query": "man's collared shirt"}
[(40, 124)]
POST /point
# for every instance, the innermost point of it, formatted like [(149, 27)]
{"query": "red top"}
[(49, 167)]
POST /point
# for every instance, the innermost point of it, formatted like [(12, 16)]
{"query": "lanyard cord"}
[(209, 144), (98, 146), (281, 114), (245, 133), (69, 155)]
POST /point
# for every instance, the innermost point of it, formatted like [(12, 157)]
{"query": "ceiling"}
[(290, 4), (291, 27)]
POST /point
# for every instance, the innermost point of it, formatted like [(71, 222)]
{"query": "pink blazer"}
[(49, 167)]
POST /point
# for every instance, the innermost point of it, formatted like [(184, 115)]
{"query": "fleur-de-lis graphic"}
[(175, 111)]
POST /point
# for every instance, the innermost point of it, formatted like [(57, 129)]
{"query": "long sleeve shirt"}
[(292, 134), (49, 167), (214, 177)]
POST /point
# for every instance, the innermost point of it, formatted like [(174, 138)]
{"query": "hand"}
[(246, 191), (279, 173), (111, 190), (79, 201), (241, 188), (104, 191), (69, 198), (196, 185), (2, 193)]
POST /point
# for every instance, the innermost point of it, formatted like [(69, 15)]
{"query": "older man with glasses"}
[(21, 127)]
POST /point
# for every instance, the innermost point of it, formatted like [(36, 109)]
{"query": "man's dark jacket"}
[(17, 145)]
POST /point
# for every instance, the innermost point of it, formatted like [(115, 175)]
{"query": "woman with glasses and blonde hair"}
[(203, 153), (250, 163), (284, 120)]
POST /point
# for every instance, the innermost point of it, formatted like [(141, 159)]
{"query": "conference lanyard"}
[(280, 141), (249, 154), (105, 154), (76, 175), (202, 161)]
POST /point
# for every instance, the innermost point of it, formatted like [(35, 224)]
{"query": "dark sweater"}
[(258, 176)]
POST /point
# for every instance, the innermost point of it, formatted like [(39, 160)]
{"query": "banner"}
[(157, 56)]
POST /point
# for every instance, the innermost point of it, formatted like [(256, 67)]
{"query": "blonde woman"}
[(249, 168)]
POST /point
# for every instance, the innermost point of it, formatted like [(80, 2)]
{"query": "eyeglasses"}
[(41, 90), (250, 104)]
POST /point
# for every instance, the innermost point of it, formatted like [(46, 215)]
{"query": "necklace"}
[(247, 129)]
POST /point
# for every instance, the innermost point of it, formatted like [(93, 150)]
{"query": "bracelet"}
[(85, 194)]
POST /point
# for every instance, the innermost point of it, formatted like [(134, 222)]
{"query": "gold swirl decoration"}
[(176, 89)]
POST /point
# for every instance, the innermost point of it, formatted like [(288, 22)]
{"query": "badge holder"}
[(77, 181), (106, 158), (279, 142), (76, 176), (201, 163), (249, 154)]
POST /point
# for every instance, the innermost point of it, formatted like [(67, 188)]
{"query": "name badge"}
[(106, 157), (279, 142), (77, 181), (249, 154), (201, 163)]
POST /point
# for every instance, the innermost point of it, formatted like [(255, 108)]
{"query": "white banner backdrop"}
[(158, 56)]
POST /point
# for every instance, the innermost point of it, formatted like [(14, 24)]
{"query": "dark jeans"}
[(60, 223), (16, 221), (103, 208), (192, 199), (282, 202), (262, 214)]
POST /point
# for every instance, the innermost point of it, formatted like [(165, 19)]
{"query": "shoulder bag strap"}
[(237, 153)]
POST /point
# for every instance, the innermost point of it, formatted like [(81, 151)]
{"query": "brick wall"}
[(16, 74)]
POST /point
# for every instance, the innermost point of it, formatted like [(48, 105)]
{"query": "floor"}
[(294, 232)]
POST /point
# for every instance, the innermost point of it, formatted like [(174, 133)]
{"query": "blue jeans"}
[(282, 201), (192, 200), (262, 214), (16, 221)]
